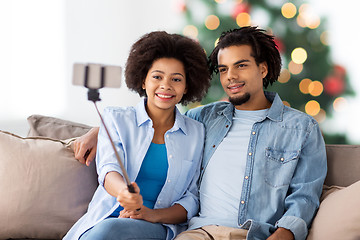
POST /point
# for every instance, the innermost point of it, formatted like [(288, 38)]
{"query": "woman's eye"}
[(177, 80)]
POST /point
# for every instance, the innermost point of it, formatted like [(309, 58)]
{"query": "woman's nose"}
[(166, 84)]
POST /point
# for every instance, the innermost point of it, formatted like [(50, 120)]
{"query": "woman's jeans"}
[(125, 228)]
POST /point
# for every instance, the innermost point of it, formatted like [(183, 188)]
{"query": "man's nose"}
[(231, 74)]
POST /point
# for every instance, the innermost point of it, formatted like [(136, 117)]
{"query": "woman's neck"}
[(162, 120)]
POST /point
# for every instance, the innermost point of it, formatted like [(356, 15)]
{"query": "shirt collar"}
[(275, 112), (142, 117)]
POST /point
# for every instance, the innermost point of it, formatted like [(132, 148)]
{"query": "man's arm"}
[(85, 146), (305, 187), (281, 234)]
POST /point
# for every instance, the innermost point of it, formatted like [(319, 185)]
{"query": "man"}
[(264, 163)]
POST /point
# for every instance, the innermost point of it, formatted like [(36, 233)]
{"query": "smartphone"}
[(95, 76)]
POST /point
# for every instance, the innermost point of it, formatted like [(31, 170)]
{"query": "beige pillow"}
[(55, 128), (339, 215), (44, 190)]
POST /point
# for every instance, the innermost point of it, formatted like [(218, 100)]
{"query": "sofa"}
[(44, 189)]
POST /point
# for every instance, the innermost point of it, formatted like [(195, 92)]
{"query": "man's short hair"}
[(264, 49)]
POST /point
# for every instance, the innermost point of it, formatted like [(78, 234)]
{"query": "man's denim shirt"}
[(285, 169)]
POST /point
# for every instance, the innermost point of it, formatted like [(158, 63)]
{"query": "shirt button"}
[(213, 146), (253, 133), (167, 136), (246, 177), (170, 156), (250, 153), (168, 180), (227, 126), (282, 159), (242, 202)]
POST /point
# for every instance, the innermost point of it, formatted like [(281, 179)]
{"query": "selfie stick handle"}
[(93, 95)]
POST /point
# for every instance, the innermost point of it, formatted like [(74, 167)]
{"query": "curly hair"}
[(264, 49), (160, 44)]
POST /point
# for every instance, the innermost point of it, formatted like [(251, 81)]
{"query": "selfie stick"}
[(93, 95)]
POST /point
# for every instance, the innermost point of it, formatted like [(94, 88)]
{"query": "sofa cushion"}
[(44, 190), (343, 164), (55, 127), (338, 216)]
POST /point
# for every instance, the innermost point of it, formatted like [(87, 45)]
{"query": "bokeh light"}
[(284, 76), (220, 1), (339, 104), (324, 38), (191, 31), (295, 68), (304, 85), (286, 103), (216, 42), (316, 88), (243, 19), (299, 55), (321, 116), (212, 22), (288, 10), (312, 107), (307, 17)]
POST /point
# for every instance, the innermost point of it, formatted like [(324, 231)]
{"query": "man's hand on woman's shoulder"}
[(85, 146)]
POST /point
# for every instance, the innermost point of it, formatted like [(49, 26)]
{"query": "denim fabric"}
[(125, 229), (285, 168), (132, 132)]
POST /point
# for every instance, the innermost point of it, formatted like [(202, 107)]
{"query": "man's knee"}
[(196, 234)]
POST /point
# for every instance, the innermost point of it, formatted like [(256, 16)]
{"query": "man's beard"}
[(237, 101)]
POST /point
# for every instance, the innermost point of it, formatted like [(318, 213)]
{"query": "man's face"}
[(241, 77)]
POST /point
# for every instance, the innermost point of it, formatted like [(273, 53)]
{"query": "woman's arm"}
[(173, 215), (115, 185)]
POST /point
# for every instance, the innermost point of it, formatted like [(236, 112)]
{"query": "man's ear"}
[(264, 69)]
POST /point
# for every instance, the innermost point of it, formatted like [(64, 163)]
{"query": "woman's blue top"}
[(152, 175)]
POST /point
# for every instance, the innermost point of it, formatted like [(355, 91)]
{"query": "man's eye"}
[(241, 65), (221, 70)]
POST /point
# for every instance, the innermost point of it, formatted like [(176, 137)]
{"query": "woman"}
[(160, 147)]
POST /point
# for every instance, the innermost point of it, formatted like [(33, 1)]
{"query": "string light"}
[(299, 55), (324, 38), (284, 76), (191, 31), (316, 88), (339, 104), (243, 19), (307, 17), (312, 107), (216, 42), (304, 85), (288, 10), (295, 68), (286, 103), (321, 116), (212, 22)]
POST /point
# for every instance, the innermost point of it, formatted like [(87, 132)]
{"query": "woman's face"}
[(165, 84)]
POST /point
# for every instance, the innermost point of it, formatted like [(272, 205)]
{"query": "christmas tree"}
[(309, 80)]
